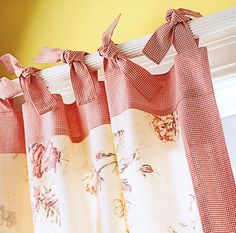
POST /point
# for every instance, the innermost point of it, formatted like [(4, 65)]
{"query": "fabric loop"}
[(175, 31), (70, 56), (36, 92), (81, 78), (11, 64), (34, 89), (130, 70), (175, 16), (29, 71), (82, 82), (110, 51)]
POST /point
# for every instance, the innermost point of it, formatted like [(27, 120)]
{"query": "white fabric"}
[(130, 176)]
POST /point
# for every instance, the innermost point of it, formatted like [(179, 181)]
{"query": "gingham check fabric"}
[(137, 76), (8, 90), (169, 33), (13, 141), (81, 77), (77, 119), (46, 111), (200, 122), (34, 89)]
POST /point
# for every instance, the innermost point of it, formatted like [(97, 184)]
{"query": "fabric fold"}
[(200, 122), (137, 76), (170, 33), (81, 77), (11, 121)]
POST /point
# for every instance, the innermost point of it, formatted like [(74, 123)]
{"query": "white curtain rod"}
[(200, 27)]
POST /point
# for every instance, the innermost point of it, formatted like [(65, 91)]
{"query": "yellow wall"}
[(28, 25)]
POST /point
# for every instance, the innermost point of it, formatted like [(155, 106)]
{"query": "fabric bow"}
[(34, 89), (81, 77), (174, 31), (137, 75)]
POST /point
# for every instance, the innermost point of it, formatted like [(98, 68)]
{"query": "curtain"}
[(134, 154)]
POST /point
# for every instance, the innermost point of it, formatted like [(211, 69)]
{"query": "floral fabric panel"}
[(157, 188), (130, 176), (75, 187), (15, 209)]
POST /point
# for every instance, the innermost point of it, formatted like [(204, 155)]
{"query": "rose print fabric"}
[(156, 183), (74, 186), (113, 161)]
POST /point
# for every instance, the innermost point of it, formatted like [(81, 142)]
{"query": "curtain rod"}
[(200, 27)]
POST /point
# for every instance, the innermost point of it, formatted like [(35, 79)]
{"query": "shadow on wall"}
[(14, 18)]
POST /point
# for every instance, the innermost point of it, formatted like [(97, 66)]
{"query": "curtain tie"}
[(137, 75), (81, 78), (175, 31), (34, 89)]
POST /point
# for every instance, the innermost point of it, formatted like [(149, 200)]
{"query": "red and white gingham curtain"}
[(137, 153)]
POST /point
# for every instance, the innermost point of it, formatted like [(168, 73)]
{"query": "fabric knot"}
[(136, 75), (28, 72), (175, 31), (175, 16), (81, 78), (110, 51), (70, 56), (34, 89)]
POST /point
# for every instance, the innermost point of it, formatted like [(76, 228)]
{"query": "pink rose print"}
[(54, 157), (37, 152), (43, 158), (146, 169), (166, 127), (45, 200)]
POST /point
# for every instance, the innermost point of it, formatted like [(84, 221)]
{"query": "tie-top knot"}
[(109, 51), (29, 71), (70, 56), (175, 16)]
